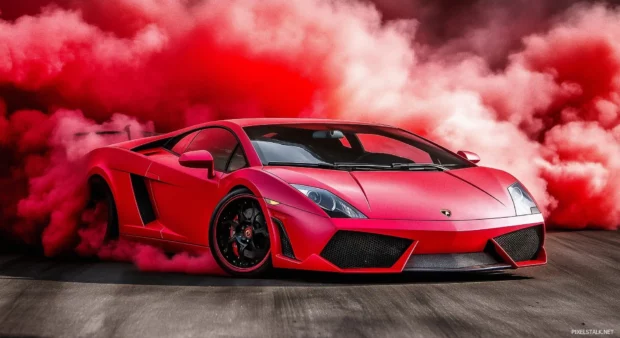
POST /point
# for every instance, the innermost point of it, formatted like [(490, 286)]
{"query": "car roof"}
[(249, 122)]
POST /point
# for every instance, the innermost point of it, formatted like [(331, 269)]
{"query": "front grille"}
[(285, 243), (459, 261), (522, 245), (350, 249)]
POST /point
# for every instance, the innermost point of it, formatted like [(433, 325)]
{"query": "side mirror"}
[(198, 159), (468, 155)]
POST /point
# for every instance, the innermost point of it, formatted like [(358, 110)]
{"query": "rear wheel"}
[(101, 198), (239, 236)]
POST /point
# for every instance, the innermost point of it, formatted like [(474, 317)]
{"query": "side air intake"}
[(350, 249), (145, 207), (522, 245), (285, 243)]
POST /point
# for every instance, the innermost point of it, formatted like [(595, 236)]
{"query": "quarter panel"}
[(184, 199), (115, 165)]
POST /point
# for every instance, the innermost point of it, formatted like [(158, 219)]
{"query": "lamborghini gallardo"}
[(313, 194)]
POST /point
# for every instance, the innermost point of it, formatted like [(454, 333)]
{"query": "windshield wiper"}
[(337, 165), (361, 165), (302, 164), (419, 166)]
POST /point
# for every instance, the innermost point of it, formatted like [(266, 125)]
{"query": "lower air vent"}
[(522, 245), (145, 207), (285, 243), (460, 261), (349, 249)]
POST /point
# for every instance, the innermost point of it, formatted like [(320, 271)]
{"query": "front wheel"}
[(239, 236)]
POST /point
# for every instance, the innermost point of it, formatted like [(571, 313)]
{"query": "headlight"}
[(333, 205), (523, 202)]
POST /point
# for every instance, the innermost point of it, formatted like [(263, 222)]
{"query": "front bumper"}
[(308, 241)]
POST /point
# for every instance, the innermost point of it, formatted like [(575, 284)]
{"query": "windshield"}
[(350, 146)]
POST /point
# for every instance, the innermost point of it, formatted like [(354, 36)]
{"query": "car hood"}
[(468, 194)]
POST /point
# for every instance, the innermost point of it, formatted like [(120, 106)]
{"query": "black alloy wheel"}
[(240, 236)]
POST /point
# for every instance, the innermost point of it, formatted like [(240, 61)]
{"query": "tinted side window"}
[(218, 141), (237, 161), (180, 146)]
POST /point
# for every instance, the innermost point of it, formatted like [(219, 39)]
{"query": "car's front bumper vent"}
[(473, 261), (285, 243), (351, 249), (522, 245)]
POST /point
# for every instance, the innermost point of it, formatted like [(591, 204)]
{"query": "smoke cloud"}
[(534, 88)]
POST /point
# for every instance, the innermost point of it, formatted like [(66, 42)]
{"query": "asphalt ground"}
[(579, 289)]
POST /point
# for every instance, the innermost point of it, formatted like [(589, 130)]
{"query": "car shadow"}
[(323, 278), (34, 266)]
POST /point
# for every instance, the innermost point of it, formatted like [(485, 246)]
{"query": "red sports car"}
[(319, 195)]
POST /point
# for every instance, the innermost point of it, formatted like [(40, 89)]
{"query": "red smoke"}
[(147, 258), (549, 115)]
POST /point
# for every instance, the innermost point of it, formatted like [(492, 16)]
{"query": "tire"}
[(249, 234), (100, 192)]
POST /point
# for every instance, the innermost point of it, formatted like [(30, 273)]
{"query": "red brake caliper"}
[(234, 245)]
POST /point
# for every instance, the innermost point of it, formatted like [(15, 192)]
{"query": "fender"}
[(266, 185)]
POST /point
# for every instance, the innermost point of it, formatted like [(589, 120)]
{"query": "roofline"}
[(264, 121), (247, 122)]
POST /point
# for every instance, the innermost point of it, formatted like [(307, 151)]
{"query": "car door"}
[(185, 198)]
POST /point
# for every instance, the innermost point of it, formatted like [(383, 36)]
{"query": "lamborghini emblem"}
[(446, 212)]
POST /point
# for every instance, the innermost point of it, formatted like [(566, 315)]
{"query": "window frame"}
[(176, 139)]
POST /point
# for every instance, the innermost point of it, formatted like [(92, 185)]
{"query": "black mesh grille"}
[(349, 249), (285, 243), (522, 245)]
